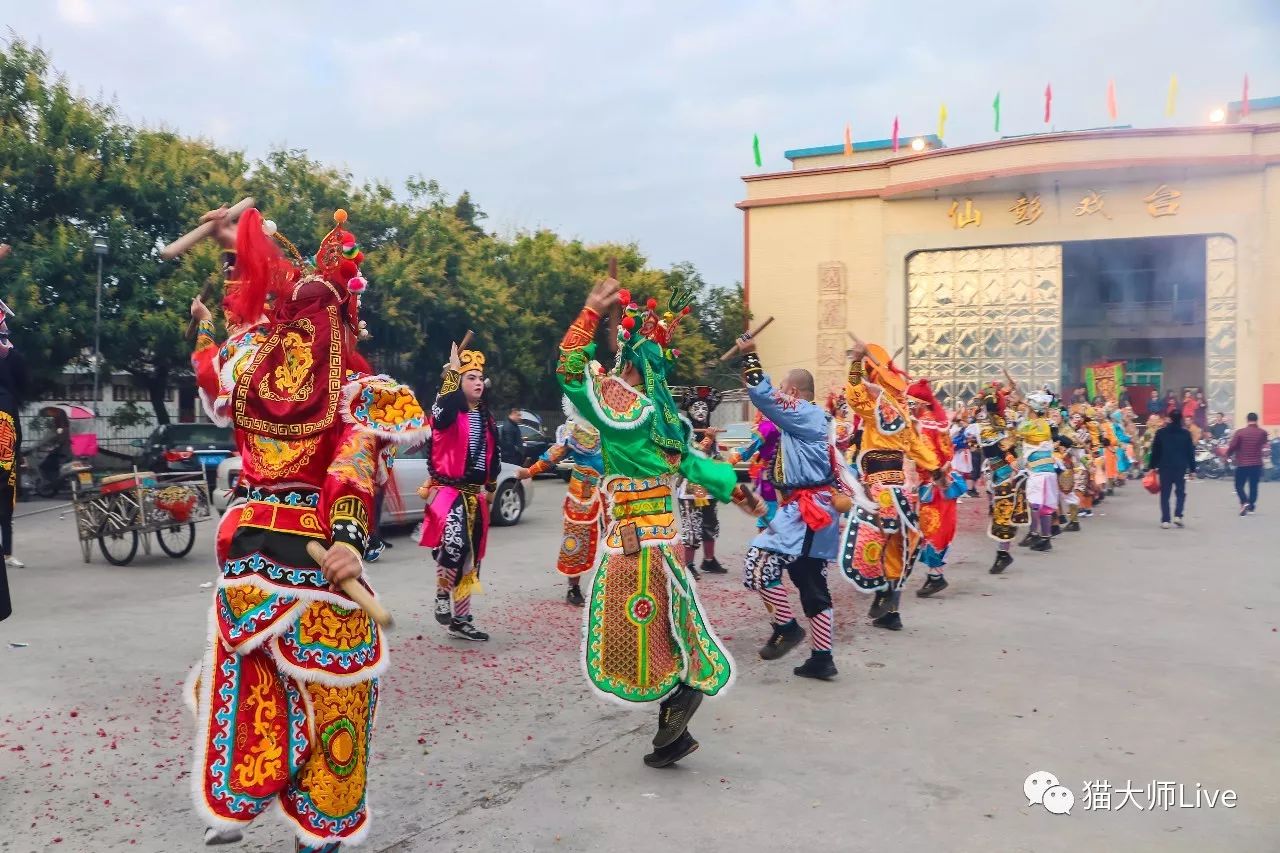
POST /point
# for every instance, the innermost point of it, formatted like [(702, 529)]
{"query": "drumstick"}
[(201, 231), (355, 591), (757, 330), (615, 315), (462, 345)]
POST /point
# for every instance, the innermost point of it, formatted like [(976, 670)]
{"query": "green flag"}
[(995, 105), (755, 149)]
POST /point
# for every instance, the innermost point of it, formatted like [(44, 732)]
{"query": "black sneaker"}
[(1003, 560), (574, 596), (1055, 530), (665, 756), (1252, 508), (712, 567), (215, 837), (818, 666), (694, 573), (1027, 541), (889, 621), (1042, 543), (784, 639), (374, 551), (1244, 510), (933, 584), (464, 630), (879, 604), (674, 715), (973, 493), (444, 609), (1072, 527)]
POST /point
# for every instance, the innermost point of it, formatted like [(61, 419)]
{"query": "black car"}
[(187, 448), (534, 442)]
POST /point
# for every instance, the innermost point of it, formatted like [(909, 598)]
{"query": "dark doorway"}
[(1140, 301)]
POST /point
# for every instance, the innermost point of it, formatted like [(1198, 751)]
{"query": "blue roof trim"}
[(866, 145), (1256, 104)]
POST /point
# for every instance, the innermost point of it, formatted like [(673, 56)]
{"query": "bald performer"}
[(802, 537)]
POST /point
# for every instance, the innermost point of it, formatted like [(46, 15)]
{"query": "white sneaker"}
[(15, 562), (1178, 522), (1164, 525)]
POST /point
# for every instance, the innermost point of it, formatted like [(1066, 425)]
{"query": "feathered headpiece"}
[(643, 324), (270, 269)]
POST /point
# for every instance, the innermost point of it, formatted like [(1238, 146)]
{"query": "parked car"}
[(509, 503), (534, 441), (186, 448)]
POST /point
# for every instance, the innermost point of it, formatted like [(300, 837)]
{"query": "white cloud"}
[(76, 12)]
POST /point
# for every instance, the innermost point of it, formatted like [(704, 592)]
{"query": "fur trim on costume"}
[(410, 429), (218, 415), (330, 679)]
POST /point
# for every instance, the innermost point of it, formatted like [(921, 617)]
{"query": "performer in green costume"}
[(647, 637)]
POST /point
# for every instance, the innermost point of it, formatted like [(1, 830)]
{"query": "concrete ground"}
[(1130, 655)]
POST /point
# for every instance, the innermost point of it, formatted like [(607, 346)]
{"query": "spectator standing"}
[(1219, 428), (1173, 456), (1246, 447), (510, 443)]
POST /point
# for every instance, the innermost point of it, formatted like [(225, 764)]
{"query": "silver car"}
[(410, 472)]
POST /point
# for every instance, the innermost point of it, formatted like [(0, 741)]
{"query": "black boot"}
[(933, 584), (667, 755), (784, 639), (880, 604), (1042, 543), (712, 567), (674, 714), (1027, 541), (890, 619), (574, 595), (820, 665), (1003, 560), (1055, 530), (1072, 527)]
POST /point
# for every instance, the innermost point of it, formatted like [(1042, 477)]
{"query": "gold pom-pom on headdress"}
[(470, 359)]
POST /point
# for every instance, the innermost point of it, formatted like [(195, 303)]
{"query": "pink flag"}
[(895, 134), (1244, 99), (1112, 109), (1048, 102)]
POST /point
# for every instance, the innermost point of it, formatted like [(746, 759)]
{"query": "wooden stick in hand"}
[(615, 316), (355, 591), (733, 350), (201, 231), (463, 344)]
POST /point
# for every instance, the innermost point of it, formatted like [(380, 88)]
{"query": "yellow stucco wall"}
[(1228, 182)]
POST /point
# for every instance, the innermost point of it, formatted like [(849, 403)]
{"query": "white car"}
[(410, 472)]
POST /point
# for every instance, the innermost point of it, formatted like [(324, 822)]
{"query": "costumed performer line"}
[(583, 511), (802, 538), (286, 693), (463, 476), (647, 638)]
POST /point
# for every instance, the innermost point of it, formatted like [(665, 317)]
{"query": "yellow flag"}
[(1171, 104), (942, 121)]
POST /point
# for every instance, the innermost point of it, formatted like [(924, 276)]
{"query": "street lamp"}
[(100, 248)]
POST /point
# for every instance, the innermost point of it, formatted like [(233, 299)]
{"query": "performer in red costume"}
[(285, 695), (937, 505)]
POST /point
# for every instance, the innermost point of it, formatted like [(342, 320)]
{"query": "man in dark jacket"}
[(510, 443), (1173, 455), (1247, 446)]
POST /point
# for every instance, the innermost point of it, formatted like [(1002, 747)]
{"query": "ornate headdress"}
[(921, 392), (1039, 402), (883, 372), (644, 342), (271, 270), (471, 359)]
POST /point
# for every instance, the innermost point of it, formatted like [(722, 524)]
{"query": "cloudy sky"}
[(633, 120)]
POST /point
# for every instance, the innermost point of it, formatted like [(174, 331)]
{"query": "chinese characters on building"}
[(1028, 208)]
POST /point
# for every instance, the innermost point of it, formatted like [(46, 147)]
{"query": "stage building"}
[(1037, 254)]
